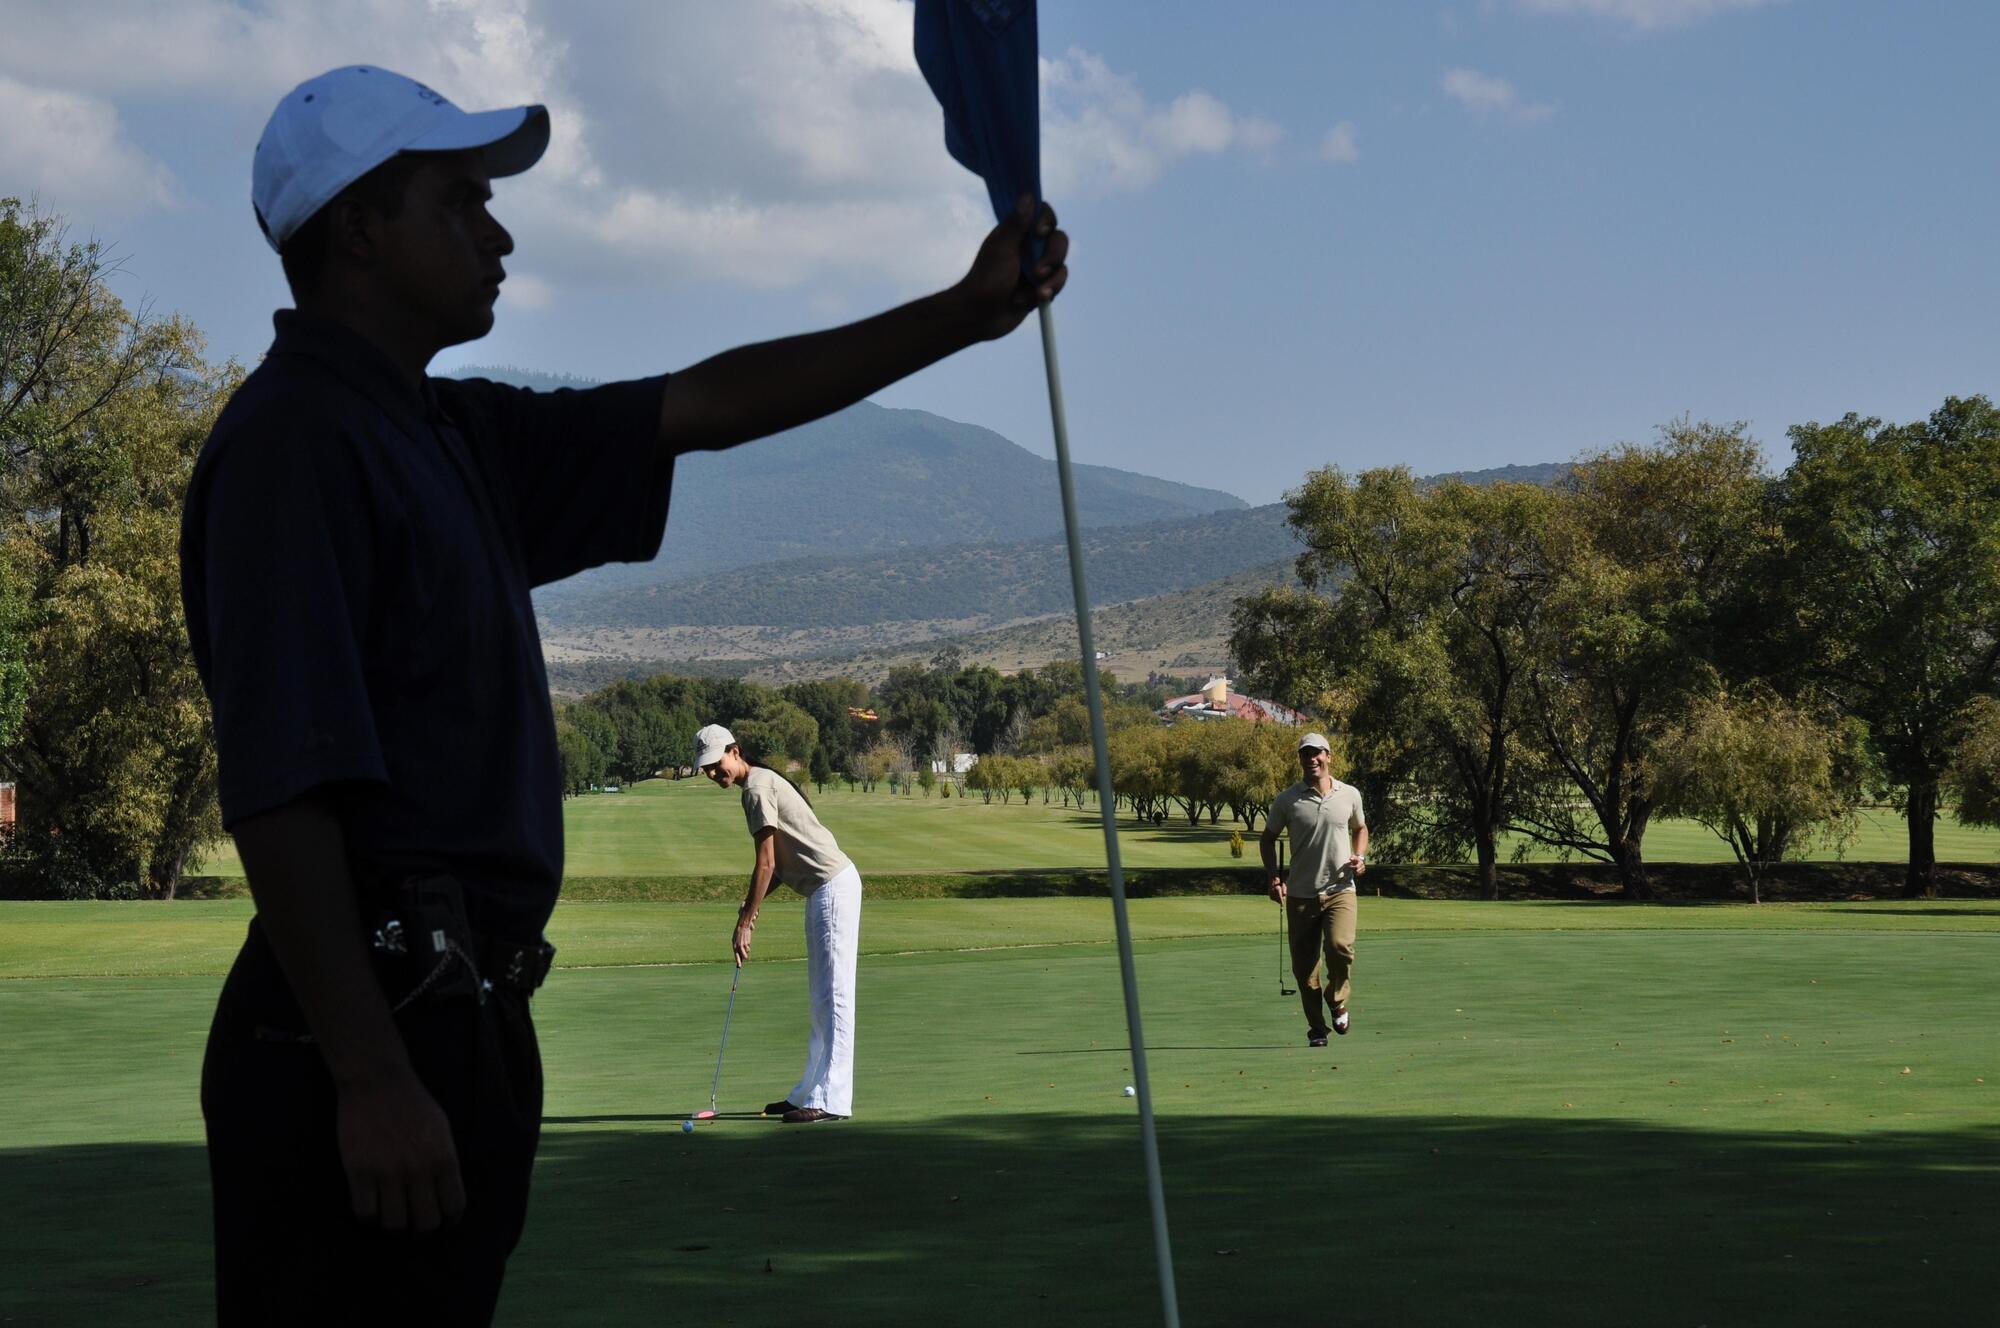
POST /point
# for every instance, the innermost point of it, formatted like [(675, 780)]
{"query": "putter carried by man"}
[(357, 552), (1323, 819)]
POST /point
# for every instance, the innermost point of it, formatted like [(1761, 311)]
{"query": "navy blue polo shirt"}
[(356, 556)]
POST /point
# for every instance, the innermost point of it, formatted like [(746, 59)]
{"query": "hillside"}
[(871, 480), (1544, 473), (1185, 631), (979, 585)]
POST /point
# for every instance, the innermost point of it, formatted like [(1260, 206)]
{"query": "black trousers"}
[(288, 1249)]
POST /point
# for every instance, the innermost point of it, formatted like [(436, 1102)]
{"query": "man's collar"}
[(357, 361)]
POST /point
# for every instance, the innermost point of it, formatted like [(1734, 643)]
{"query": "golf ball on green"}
[(1131, 1091), (687, 1127)]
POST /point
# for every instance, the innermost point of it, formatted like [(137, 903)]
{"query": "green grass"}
[(1548, 1113), (662, 827)]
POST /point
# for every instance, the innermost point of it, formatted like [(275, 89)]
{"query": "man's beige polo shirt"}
[(1322, 834), (807, 856)]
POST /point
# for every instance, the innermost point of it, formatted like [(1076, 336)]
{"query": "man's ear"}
[(355, 232)]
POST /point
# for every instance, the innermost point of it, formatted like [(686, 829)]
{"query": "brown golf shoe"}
[(809, 1116), (782, 1107)]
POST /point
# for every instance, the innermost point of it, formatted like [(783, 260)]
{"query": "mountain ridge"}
[(873, 479)]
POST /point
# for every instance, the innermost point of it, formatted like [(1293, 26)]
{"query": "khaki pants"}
[(1321, 923)]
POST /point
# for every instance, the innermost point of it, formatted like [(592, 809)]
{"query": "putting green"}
[(1565, 1114)]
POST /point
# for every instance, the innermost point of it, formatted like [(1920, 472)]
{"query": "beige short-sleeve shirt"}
[(1322, 835), (807, 856)]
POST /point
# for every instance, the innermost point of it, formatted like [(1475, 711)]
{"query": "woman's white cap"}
[(330, 131), (710, 743)]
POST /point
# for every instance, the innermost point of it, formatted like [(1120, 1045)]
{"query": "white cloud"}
[(524, 290), (1483, 94), (223, 50), (1099, 131), (773, 244), (72, 151), (761, 141), (1644, 15), (1341, 144)]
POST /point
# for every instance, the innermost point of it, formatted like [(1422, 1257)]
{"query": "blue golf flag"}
[(979, 56)]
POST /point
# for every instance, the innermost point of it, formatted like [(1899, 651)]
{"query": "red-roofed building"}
[(1216, 701)]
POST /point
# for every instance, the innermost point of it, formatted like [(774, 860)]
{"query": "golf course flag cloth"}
[(979, 56)]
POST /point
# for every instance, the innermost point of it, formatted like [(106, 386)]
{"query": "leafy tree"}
[(1893, 542), (645, 738), (917, 707), (1973, 778), (1028, 774), (982, 777), (680, 724), (586, 745), (877, 764), (1074, 770), (1066, 724), (828, 701), (15, 676), (1767, 776), (982, 707), (102, 413), (1140, 769), (1256, 763), (778, 731), (822, 767), (1279, 638), (1644, 545), (1414, 624)]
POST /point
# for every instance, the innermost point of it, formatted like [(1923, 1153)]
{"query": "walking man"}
[(357, 550), (1329, 839)]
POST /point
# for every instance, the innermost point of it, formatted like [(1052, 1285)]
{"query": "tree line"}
[(923, 716), (103, 724), (1668, 630)]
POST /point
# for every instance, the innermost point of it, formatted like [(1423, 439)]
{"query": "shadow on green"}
[(1036, 1218)]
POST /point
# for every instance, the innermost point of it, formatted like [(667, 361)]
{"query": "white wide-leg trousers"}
[(833, 937)]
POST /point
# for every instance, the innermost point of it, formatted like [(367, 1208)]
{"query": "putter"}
[(716, 1082), (1283, 990)]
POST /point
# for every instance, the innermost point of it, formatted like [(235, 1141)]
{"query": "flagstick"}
[(1107, 805)]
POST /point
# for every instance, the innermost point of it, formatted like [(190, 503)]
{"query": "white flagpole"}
[(1155, 1188)]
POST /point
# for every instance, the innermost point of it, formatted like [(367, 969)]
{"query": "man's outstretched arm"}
[(771, 386)]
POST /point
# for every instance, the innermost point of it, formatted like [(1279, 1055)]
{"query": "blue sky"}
[(1452, 236)]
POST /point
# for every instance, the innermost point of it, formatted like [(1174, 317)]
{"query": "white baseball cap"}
[(710, 743), (330, 131), (1314, 740)]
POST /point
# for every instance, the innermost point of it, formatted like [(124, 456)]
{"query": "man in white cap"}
[(792, 847), (357, 551), (1329, 839)]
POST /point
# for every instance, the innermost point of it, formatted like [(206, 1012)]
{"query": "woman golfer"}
[(793, 847)]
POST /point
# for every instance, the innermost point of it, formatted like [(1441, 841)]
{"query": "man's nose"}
[(498, 240)]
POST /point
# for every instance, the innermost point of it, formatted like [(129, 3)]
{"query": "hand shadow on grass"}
[(1029, 1217)]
